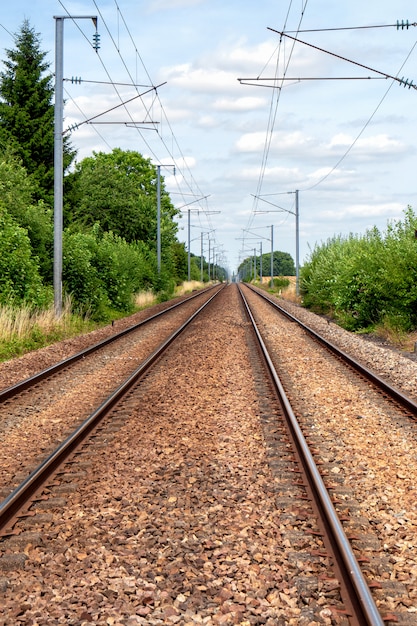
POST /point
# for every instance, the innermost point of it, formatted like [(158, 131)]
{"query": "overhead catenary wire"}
[(114, 83), (399, 25), (273, 110), (358, 136), (243, 81), (91, 119), (193, 184), (339, 56), (394, 79), (159, 100)]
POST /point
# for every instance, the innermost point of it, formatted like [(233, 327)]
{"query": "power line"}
[(342, 158), (398, 25), (273, 110), (8, 32), (90, 120), (406, 83), (257, 81), (84, 115), (78, 80), (173, 136)]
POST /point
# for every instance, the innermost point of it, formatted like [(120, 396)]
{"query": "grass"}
[(396, 337), (144, 299), (188, 286), (284, 286), (23, 329)]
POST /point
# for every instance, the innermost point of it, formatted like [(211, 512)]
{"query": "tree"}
[(283, 265), (27, 112), (118, 191)]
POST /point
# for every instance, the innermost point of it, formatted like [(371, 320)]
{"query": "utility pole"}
[(58, 162), (260, 263), (201, 258), (297, 245), (58, 149), (158, 217), (158, 214), (189, 211)]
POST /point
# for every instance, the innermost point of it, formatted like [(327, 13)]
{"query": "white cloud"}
[(239, 104), (199, 79), (369, 146), (278, 175), (283, 142), (364, 211)]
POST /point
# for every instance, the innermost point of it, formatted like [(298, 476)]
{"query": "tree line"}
[(110, 199), (283, 265)]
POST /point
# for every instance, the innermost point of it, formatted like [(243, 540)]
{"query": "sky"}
[(340, 129)]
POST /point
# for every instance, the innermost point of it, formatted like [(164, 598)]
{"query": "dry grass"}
[(400, 339), (288, 293), (188, 286), (410, 342), (18, 323), (23, 329), (144, 299)]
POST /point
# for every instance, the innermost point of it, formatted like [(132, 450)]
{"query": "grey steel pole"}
[(189, 243), (158, 217), (297, 245), (58, 162), (209, 261), (58, 151), (201, 258), (260, 262), (272, 255)]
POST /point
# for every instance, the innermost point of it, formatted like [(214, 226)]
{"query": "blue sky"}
[(348, 146)]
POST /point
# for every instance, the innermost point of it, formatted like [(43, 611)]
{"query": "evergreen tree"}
[(27, 111)]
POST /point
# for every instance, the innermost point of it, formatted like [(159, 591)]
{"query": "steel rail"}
[(405, 401), (14, 390), (360, 596), (25, 492)]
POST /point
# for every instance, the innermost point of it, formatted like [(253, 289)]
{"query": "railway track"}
[(197, 509), (47, 406), (402, 399), (363, 435)]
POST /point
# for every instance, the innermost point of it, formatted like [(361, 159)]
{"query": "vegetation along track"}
[(185, 510)]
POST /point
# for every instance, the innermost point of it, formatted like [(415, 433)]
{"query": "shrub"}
[(80, 276), (366, 280), (20, 280)]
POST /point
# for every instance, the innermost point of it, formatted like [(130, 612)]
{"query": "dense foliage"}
[(118, 191), (283, 265), (17, 192), (20, 279), (366, 280), (110, 206)]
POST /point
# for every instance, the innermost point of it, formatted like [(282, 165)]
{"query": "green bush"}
[(20, 280), (124, 270), (366, 280), (103, 272), (80, 275)]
